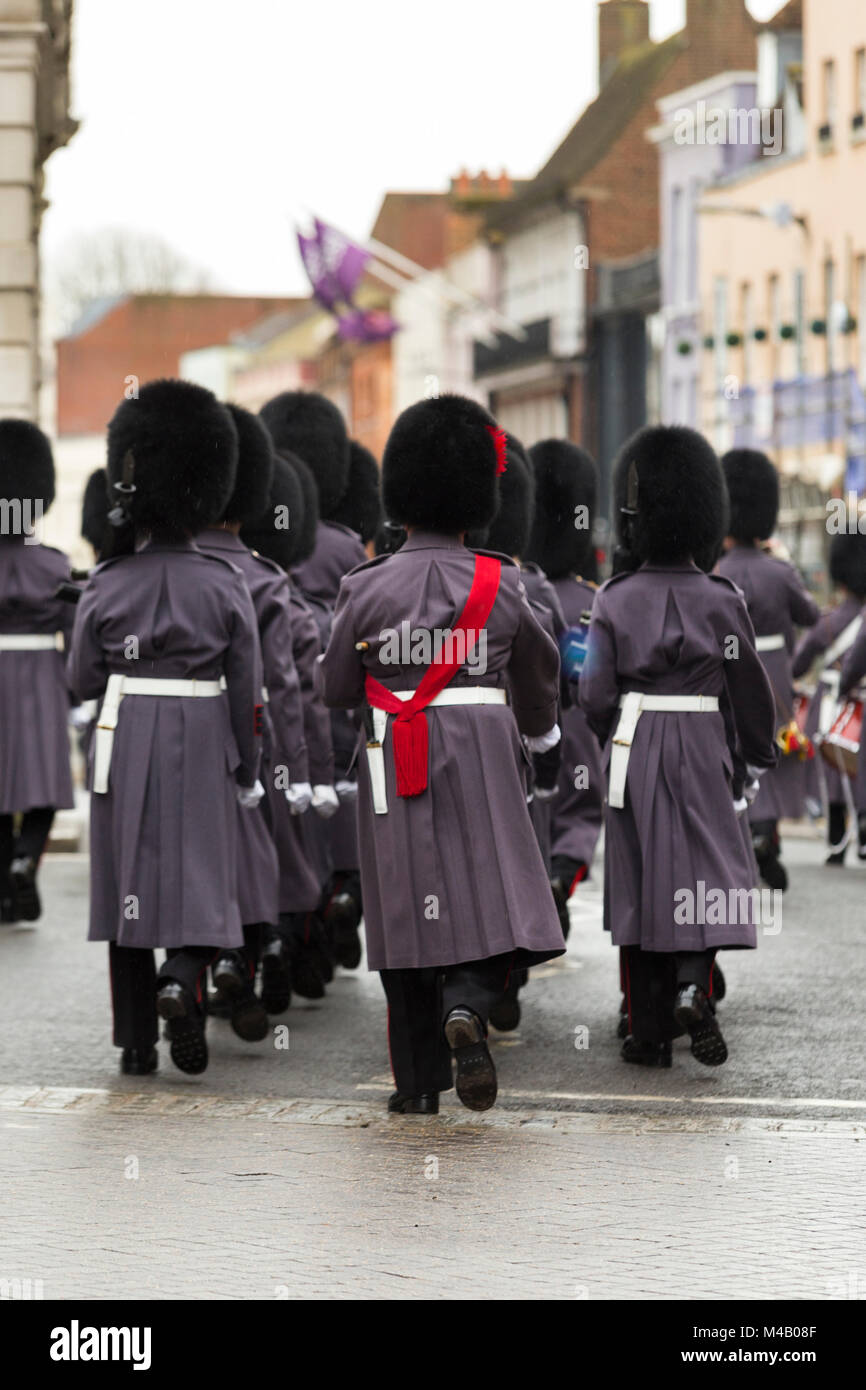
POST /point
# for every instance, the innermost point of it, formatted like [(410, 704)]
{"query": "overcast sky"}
[(217, 125)]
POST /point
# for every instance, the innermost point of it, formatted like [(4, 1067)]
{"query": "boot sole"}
[(249, 1020), (708, 1045), (188, 1046), (476, 1074)]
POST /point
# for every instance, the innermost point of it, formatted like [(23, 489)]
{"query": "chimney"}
[(621, 24)]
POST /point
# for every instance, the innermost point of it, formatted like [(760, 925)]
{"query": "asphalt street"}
[(595, 1163)]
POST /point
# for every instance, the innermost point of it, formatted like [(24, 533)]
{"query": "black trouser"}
[(28, 843), (651, 980), (135, 980), (837, 822), (249, 955), (419, 1001)]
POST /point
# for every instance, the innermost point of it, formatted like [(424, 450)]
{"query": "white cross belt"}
[(118, 686), (774, 642), (31, 642), (633, 704)]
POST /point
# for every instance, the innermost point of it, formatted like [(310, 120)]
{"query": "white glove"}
[(299, 796), (249, 797), (540, 743), (546, 793), (755, 772), (750, 790), (740, 806), (82, 715), (347, 791), (325, 801)]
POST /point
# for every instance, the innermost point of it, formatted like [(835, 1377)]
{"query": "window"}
[(829, 311), (747, 329), (861, 314), (773, 309), (828, 98), (858, 117), (800, 319)]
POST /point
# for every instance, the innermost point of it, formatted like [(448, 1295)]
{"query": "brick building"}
[(141, 335), (577, 247)]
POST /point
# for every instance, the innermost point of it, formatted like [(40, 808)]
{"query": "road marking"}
[(97, 1105), (632, 1099)]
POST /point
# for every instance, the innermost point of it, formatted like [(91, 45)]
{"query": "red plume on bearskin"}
[(500, 439)]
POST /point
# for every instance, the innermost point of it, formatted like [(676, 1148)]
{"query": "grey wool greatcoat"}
[(546, 606), (455, 873), (853, 672), (163, 838), (778, 602), (812, 645), (300, 884), (338, 550), (284, 751), (34, 698), (664, 630), (577, 811)]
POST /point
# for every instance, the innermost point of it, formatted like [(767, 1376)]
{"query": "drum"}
[(841, 744)]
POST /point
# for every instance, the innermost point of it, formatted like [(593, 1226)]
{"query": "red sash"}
[(410, 727)]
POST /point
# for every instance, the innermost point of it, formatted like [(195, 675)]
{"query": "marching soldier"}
[(35, 778), (676, 715), (778, 602), (296, 955), (508, 534), (166, 638), (284, 753), (566, 482), (310, 426), (455, 889), (830, 639), (851, 675)]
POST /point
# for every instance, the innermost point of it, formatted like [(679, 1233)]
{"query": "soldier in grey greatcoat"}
[(454, 886), (778, 603), (566, 483), (35, 625), (675, 691), (284, 752), (166, 639), (825, 646), (310, 426), (296, 956)]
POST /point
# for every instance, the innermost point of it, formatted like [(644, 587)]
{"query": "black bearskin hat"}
[(509, 530), (566, 479), (276, 532), (440, 466), (361, 503), (255, 467), (671, 478), (306, 538), (95, 507), (848, 562), (305, 423), (183, 448), (26, 465), (753, 490)]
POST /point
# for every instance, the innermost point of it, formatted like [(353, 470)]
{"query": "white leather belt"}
[(118, 686), (633, 704), (773, 643), (466, 695), (827, 709), (31, 641)]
